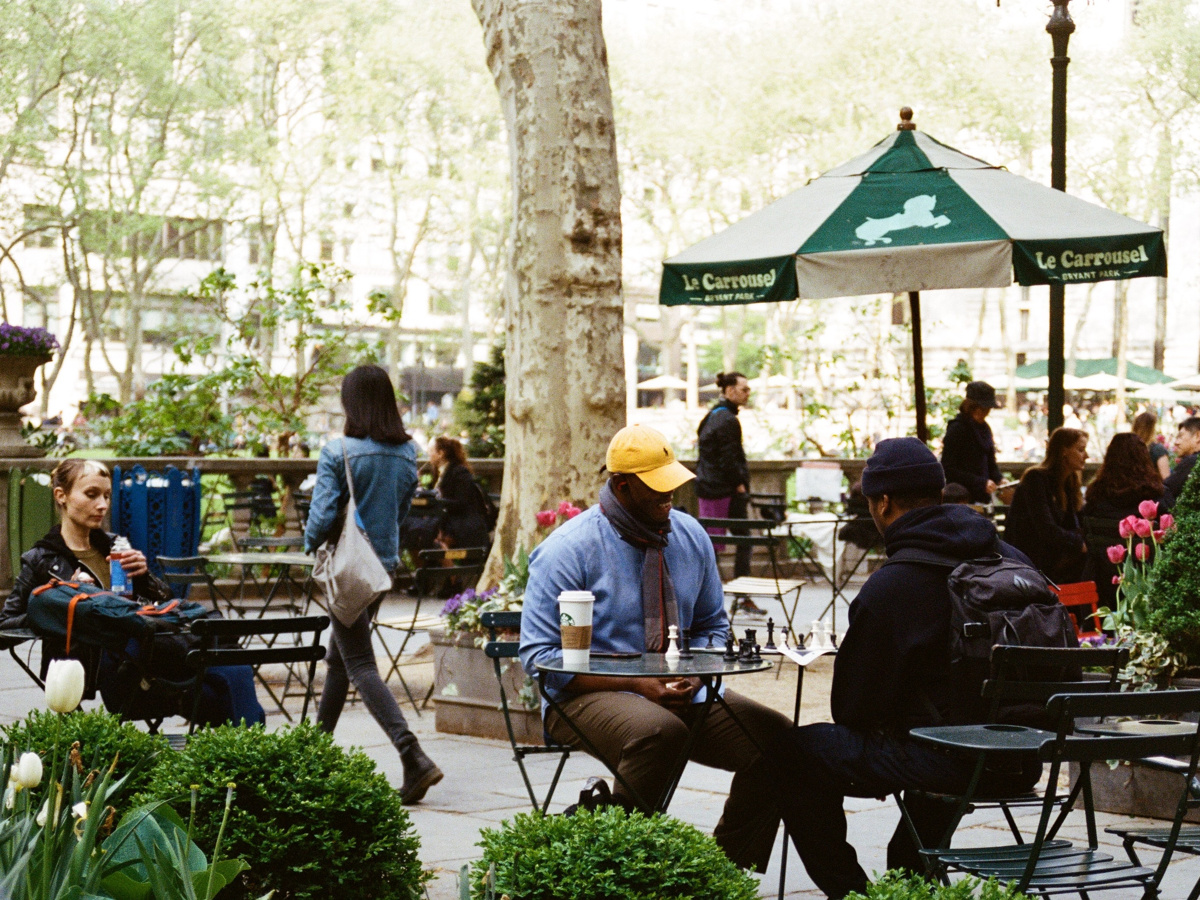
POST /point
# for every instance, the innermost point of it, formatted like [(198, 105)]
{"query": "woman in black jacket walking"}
[(722, 476), (1043, 521), (968, 450)]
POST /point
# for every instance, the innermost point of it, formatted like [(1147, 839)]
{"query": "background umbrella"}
[(1085, 368), (663, 383), (911, 214)]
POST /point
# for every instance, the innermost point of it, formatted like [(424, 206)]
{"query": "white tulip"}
[(10, 796), (43, 813), (64, 684), (28, 771), (80, 809)]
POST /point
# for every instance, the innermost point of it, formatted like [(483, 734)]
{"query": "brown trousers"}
[(641, 740)]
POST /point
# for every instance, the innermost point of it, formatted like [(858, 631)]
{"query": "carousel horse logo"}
[(918, 213)]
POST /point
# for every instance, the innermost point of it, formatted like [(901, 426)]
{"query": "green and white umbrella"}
[(911, 214)]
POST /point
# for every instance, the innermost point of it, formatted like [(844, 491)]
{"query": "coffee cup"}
[(575, 622)]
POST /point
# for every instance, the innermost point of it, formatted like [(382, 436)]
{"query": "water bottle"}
[(120, 581)]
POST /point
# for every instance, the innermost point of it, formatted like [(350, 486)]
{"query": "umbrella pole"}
[(914, 303)]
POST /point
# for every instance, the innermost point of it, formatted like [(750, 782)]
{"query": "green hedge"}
[(607, 854), (311, 819), (1175, 583)]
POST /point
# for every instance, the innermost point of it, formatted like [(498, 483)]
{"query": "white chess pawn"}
[(672, 643), (815, 643), (826, 642)]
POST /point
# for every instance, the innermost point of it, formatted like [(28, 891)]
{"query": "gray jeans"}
[(351, 658)]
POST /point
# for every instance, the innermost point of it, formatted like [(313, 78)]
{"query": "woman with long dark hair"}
[(1043, 520), (383, 464), (1127, 477), (462, 524)]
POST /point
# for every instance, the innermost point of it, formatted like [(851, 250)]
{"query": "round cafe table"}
[(710, 668)]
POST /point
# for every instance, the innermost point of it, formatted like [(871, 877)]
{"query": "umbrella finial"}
[(906, 122)]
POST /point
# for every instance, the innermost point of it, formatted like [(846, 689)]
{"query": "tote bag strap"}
[(349, 477)]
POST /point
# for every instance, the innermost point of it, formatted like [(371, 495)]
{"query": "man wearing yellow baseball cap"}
[(649, 567)]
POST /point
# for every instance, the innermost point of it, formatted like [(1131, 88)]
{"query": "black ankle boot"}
[(420, 774)]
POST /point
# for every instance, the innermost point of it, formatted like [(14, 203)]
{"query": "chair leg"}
[(562, 761), (1012, 823)]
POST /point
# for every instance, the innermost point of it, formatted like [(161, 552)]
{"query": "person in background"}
[(722, 476), (956, 494), (1043, 521), (383, 464), (1126, 479), (968, 449), (462, 524), (1187, 446), (1145, 426)]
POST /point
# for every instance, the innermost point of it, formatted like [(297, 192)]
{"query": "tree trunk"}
[(1165, 165), (1121, 351), (563, 305)]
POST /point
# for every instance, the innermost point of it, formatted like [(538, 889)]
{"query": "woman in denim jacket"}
[(383, 463)]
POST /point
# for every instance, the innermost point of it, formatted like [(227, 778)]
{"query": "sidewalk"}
[(482, 786)]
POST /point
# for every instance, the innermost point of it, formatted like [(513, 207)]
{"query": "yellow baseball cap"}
[(642, 451)]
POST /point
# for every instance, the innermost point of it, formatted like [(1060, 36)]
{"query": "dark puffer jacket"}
[(52, 558), (721, 463), (894, 661), (969, 456)]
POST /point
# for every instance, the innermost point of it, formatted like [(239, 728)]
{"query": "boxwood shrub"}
[(609, 854), (1175, 584), (898, 885), (101, 735), (311, 819)]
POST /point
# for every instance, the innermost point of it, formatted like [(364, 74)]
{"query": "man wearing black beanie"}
[(892, 674)]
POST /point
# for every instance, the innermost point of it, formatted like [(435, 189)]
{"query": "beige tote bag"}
[(350, 573)]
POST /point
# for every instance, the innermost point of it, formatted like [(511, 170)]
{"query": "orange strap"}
[(151, 610), (53, 583), (71, 616)]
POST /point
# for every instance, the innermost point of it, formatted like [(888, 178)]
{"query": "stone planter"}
[(17, 388), (466, 695), (1132, 789)]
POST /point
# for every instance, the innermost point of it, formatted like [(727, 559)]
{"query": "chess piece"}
[(731, 654), (709, 645), (672, 643), (815, 635), (752, 635), (685, 643), (770, 644)]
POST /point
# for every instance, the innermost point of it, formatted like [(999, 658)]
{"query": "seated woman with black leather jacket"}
[(78, 549)]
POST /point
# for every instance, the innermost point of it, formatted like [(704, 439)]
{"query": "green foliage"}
[(102, 736), (480, 410), (311, 819), (179, 414), (610, 854), (1175, 583), (896, 885)]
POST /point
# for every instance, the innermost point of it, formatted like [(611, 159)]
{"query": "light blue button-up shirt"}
[(586, 553)]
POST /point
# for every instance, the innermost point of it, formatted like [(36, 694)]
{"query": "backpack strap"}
[(928, 557), (71, 616)]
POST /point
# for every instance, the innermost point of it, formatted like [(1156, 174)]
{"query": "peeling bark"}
[(563, 303)]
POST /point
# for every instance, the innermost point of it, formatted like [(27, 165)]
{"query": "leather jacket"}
[(52, 558)]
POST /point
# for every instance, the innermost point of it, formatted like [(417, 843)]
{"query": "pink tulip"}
[(1167, 522), (1159, 535), (1148, 509), (1141, 551), (546, 518), (1125, 528), (1116, 579), (572, 512), (1142, 528), (564, 507), (1116, 554)]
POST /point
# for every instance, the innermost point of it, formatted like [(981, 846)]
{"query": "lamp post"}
[(1060, 28)]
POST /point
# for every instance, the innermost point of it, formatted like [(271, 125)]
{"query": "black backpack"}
[(996, 601), (487, 508)]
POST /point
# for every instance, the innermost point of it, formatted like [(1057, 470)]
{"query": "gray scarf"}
[(658, 594)]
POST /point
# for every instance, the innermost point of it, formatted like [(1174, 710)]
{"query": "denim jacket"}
[(385, 477)]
